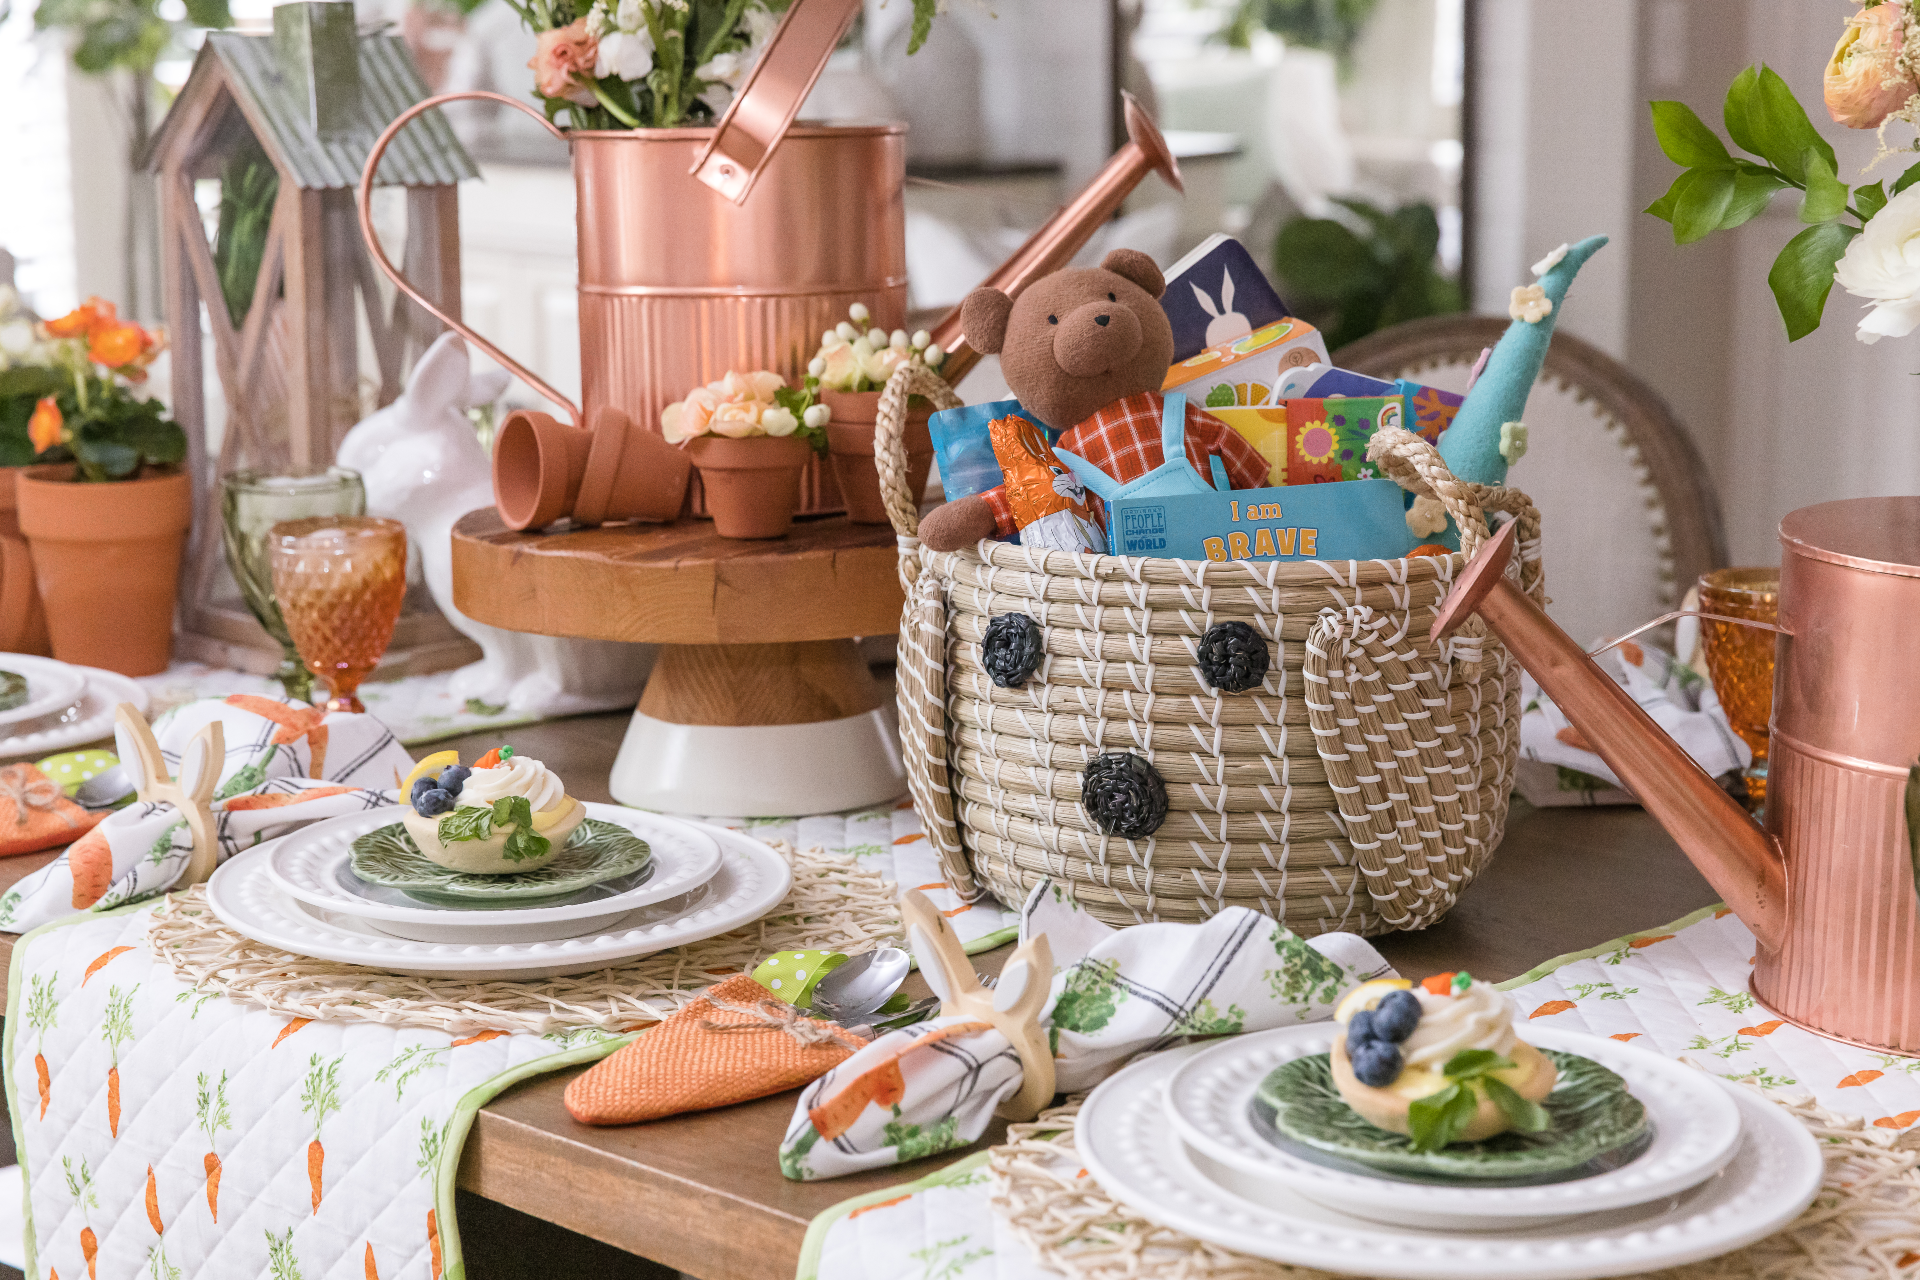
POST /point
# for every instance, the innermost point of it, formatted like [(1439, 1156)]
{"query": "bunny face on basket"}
[(1124, 795), (1011, 650)]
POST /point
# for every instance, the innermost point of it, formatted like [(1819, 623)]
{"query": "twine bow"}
[(773, 1015), (28, 789)]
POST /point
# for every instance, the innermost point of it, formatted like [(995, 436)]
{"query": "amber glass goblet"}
[(1740, 659), (340, 581)]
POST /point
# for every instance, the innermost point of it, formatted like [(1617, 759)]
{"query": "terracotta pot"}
[(850, 442), (752, 484), (544, 469), (107, 558), (23, 622)]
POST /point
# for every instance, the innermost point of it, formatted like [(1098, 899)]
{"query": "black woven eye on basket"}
[(1012, 650), (1233, 657), (1124, 795)]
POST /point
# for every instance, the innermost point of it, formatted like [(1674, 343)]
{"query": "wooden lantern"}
[(310, 98)]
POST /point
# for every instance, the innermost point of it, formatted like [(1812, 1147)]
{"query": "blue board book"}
[(1344, 382), (1218, 288), (1340, 520), (965, 449)]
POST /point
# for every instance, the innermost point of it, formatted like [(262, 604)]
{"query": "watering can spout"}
[(1741, 862)]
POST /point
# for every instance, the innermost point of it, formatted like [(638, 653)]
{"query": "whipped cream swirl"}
[(1478, 1019), (514, 776)]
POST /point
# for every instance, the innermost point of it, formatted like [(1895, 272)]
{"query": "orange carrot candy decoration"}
[(319, 1096), (116, 1025), (210, 1112), (42, 1010)]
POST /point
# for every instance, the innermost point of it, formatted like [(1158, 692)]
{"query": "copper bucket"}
[(678, 284)]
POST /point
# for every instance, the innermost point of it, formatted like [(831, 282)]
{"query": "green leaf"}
[(1753, 190), (1685, 137), (1320, 258), (923, 11), (1905, 180), (1780, 129), (1802, 275), (1523, 1114), (1704, 197), (1734, 113), (209, 13), (523, 842), (1435, 1121), (1826, 194), (1475, 1062), (467, 823), (1870, 199)]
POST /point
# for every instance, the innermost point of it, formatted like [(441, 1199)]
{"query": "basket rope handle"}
[(890, 457), (1416, 466)]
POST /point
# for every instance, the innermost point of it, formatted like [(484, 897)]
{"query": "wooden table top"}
[(704, 1194), (680, 584)]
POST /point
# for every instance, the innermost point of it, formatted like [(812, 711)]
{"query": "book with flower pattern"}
[(1312, 442)]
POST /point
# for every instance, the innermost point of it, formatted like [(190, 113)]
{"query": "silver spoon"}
[(106, 790), (861, 986)]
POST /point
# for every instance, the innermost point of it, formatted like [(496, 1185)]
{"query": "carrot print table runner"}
[(166, 1133)]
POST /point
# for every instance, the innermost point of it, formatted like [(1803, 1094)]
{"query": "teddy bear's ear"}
[(983, 316), (1138, 268)]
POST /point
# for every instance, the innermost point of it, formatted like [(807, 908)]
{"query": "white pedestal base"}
[(760, 771)]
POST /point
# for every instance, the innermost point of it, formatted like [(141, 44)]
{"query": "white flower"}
[(627, 54), (778, 421), (845, 331), (760, 24), (16, 337), (1551, 261), (934, 356), (1513, 442), (599, 21), (859, 312), (898, 339), (1882, 265), (1530, 303), (920, 339), (723, 74), (818, 416), (817, 366)]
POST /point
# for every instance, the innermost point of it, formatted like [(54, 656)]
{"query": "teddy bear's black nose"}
[(1102, 320)]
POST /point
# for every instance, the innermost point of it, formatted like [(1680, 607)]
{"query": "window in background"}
[(37, 231)]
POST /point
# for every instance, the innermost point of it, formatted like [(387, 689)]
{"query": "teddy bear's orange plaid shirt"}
[(1123, 440)]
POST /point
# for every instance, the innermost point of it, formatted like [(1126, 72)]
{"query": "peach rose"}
[(738, 418), (116, 345), (729, 406), (564, 61), (1863, 84)]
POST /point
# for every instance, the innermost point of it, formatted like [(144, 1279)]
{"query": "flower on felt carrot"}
[(1529, 303), (47, 426), (563, 63)]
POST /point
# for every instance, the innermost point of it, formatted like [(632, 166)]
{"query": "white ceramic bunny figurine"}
[(1227, 324), (424, 466)]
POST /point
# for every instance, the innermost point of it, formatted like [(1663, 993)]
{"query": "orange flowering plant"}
[(66, 393)]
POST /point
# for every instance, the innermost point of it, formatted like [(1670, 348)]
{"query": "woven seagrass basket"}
[(1360, 787)]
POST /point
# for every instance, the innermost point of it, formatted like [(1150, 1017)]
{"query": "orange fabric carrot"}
[(116, 1027), (319, 1096), (294, 723), (477, 1038), (373, 1270), (89, 1248), (288, 1031), (316, 1159), (90, 859), (153, 1203), (43, 1011), (1551, 1007), (46, 1083), (274, 800), (212, 1116), (433, 1241), (113, 1100)]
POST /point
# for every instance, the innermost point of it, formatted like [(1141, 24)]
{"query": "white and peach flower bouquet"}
[(753, 404), (857, 356)]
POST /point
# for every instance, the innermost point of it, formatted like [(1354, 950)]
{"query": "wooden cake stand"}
[(759, 703)]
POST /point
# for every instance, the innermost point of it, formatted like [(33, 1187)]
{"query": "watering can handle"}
[(1688, 613), (380, 255), (758, 119)]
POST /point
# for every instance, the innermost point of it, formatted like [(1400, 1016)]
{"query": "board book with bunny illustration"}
[(1217, 294)]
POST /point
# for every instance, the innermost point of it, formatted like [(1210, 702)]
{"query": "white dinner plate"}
[(1127, 1142), (751, 881), (52, 688), (314, 865), (1696, 1128), (89, 721)]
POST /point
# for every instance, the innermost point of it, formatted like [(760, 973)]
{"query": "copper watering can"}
[(731, 247), (1831, 887)]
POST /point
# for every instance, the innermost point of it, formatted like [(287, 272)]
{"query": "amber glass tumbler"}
[(1740, 659), (340, 581)]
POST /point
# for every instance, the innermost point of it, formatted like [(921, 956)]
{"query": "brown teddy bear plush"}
[(1087, 349)]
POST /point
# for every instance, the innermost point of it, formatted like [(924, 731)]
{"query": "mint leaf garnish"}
[(1522, 1113), (1438, 1119), (467, 823), (1474, 1063), (1434, 1122), (523, 843)]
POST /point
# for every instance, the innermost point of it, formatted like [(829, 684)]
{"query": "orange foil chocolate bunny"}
[(1049, 503)]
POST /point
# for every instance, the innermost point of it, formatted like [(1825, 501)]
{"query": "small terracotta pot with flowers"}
[(101, 498), (750, 435), (851, 370)]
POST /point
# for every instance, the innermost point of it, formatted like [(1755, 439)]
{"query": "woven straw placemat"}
[(1864, 1223), (834, 905)]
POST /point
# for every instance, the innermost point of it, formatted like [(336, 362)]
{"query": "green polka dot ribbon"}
[(792, 976), (70, 769)]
